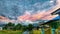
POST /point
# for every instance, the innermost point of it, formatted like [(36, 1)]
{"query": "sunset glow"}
[(43, 14)]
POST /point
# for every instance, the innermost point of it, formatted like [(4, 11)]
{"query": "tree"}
[(54, 24), (18, 27), (5, 27), (9, 26), (30, 27), (24, 28)]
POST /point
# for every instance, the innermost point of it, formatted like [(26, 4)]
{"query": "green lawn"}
[(10, 32), (18, 32)]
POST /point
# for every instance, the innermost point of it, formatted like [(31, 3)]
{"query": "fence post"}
[(56, 31), (53, 30), (42, 30)]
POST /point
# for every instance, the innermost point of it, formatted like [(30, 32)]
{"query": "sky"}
[(26, 10)]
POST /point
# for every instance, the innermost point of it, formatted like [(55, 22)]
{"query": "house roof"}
[(49, 21), (56, 12), (53, 13)]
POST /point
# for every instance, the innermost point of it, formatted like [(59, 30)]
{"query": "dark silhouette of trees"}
[(54, 24), (17, 27), (9, 26), (30, 27)]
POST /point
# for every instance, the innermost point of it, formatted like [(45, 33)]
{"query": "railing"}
[(46, 31)]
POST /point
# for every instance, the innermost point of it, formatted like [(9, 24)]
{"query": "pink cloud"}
[(45, 15), (41, 15)]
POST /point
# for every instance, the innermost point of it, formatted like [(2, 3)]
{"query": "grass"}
[(18, 32), (36, 32), (10, 32)]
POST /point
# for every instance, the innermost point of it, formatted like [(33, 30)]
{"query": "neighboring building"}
[(1, 28)]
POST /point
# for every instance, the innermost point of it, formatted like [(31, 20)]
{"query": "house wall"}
[(1, 28)]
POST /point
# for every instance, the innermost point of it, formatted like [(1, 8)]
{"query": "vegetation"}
[(30, 27), (10, 32), (17, 27), (11, 28), (54, 24)]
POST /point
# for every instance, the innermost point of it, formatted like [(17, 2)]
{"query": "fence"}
[(47, 31)]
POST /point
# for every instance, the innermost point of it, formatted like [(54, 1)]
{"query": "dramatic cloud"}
[(30, 10)]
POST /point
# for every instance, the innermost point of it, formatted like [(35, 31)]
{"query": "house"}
[(1, 28), (56, 12)]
